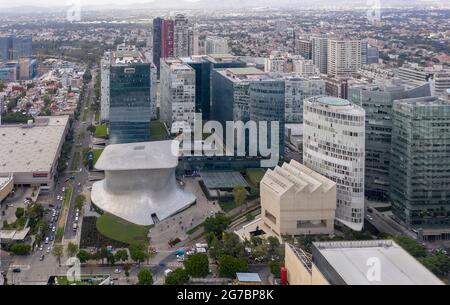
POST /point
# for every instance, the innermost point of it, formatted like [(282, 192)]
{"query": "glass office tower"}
[(420, 165), (130, 102)]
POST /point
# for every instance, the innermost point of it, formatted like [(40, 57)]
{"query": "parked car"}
[(42, 257)]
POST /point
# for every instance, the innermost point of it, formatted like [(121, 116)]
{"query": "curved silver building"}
[(334, 146), (140, 184)]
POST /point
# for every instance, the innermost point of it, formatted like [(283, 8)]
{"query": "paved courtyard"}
[(176, 226)]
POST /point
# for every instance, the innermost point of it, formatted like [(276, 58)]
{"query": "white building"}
[(105, 67), (193, 42), (297, 89), (304, 67), (216, 45), (344, 57), (441, 82), (320, 52), (181, 36), (277, 62), (30, 152), (140, 184), (177, 84), (334, 146)]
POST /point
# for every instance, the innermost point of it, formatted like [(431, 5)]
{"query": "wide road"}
[(80, 174)]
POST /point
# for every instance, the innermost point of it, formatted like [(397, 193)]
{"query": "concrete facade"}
[(295, 200)]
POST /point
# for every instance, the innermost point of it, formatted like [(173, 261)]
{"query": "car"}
[(76, 219), (10, 205), (51, 205), (42, 257), (46, 240), (16, 270), (77, 210), (117, 271), (53, 229), (80, 170), (48, 249), (64, 189), (369, 210), (369, 217), (41, 248), (52, 238)]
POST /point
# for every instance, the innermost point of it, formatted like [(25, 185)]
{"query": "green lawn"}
[(255, 175), (227, 205), (158, 131), (121, 230), (101, 131), (76, 160)]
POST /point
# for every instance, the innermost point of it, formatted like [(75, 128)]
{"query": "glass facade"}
[(377, 102), (130, 103), (267, 104), (420, 162)]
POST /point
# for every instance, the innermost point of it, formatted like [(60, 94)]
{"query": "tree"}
[(121, 255), (412, 246), (58, 252), (91, 129), (177, 277), (20, 212), (138, 253), (439, 264), (197, 265), (145, 277), (275, 268), (83, 256), (217, 224), (20, 249), (80, 201), (72, 249), (229, 265), (240, 195), (126, 269)]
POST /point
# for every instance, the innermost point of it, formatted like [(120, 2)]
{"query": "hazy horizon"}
[(189, 3)]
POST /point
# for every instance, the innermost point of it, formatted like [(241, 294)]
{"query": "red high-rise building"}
[(167, 42)]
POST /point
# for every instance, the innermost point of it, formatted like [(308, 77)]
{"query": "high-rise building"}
[(344, 57), (336, 87), (167, 38), (267, 98), (413, 72), (377, 100), (277, 62), (420, 166), (334, 146), (297, 89), (203, 65), (105, 70), (304, 67), (441, 82), (157, 41), (193, 42), (15, 47), (129, 96), (216, 45), (177, 107), (181, 36), (303, 47), (320, 52), (154, 90), (231, 93)]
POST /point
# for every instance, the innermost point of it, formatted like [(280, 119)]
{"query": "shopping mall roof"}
[(31, 148), (352, 260)]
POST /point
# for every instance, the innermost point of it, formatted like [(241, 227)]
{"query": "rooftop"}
[(333, 101), (4, 181), (248, 277), (135, 156), (295, 175), (223, 180), (350, 260), (31, 148)]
